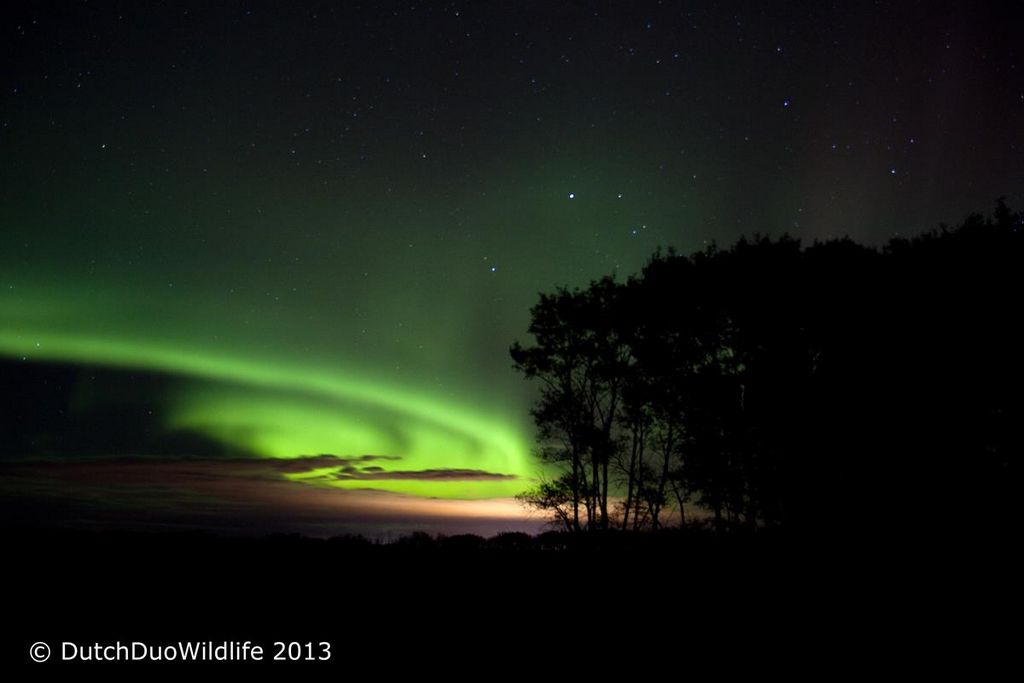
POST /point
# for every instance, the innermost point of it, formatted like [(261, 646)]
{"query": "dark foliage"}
[(767, 385)]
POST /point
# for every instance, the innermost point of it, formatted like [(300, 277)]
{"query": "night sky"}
[(310, 232)]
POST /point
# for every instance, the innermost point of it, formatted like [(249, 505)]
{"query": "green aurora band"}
[(286, 410)]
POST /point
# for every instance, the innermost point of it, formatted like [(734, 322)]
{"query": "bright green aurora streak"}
[(285, 410)]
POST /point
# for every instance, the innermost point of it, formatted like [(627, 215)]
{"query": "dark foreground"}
[(513, 605)]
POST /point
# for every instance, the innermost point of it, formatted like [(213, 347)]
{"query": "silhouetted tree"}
[(833, 386), (580, 360), (557, 498)]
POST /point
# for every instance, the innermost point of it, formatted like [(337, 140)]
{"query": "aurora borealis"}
[(323, 224)]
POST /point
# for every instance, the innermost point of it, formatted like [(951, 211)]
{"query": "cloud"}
[(240, 495), (440, 474), (149, 467), (307, 463)]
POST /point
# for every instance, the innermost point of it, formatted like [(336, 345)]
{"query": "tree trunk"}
[(604, 492), (666, 457), (678, 490), (575, 489), (630, 476)]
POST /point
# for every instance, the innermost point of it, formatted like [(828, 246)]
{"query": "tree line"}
[(770, 384)]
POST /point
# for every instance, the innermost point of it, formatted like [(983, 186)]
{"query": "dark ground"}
[(514, 606)]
